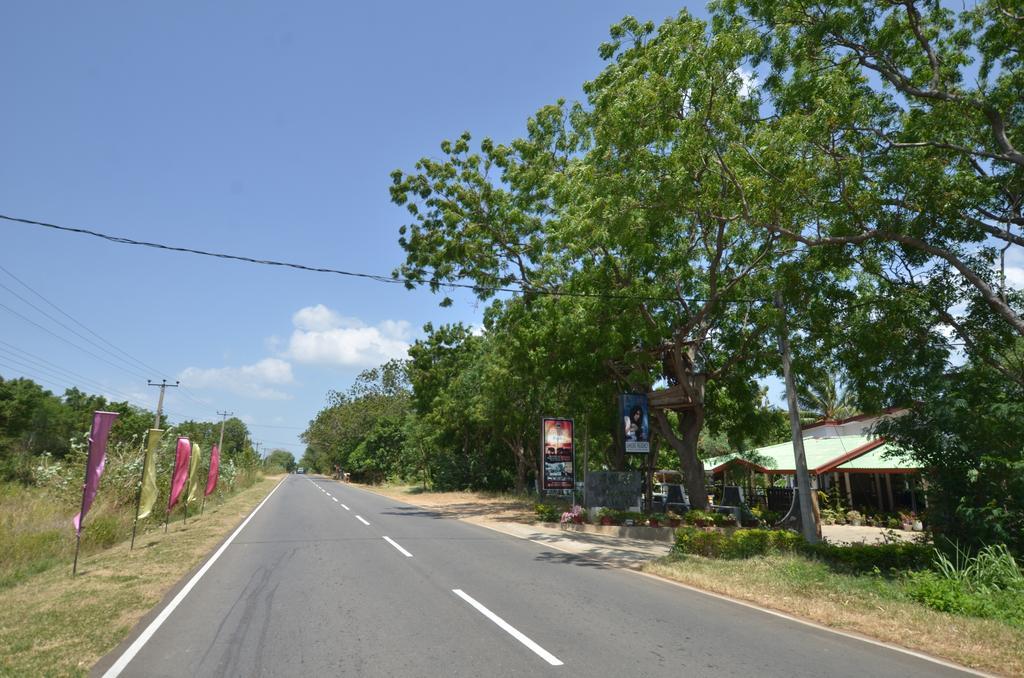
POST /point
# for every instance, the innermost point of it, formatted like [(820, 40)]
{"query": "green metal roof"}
[(820, 452)]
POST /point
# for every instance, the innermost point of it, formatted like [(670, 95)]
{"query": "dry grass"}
[(495, 506), (53, 625), (870, 606)]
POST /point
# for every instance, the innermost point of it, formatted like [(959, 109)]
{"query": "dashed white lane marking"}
[(345, 507), (362, 520), (400, 549), (334, 498), (511, 630)]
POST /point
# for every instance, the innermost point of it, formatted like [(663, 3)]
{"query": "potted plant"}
[(854, 518), (607, 516), (674, 519), (656, 519), (906, 521)]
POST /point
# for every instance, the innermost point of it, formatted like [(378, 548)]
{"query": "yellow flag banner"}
[(195, 483), (147, 496)]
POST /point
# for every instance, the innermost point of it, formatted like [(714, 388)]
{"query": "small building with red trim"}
[(843, 457)]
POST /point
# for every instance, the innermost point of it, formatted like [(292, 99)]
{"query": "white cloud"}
[(254, 380), (324, 337), (1015, 277), (748, 82), (319, 318)]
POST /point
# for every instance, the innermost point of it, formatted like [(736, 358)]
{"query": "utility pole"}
[(223, 419), (808, 518), (160, 403), (220, 449)]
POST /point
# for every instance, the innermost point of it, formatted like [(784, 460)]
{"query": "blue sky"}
[(262, 129)]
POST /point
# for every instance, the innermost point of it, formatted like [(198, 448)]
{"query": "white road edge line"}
[(362, 520), (776, 613), (400, 549), (345, 507), (511, 630), (133, 649), (334, 498)]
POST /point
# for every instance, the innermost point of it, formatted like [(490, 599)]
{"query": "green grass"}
[(54, 625), (36, 532), (874, 605)]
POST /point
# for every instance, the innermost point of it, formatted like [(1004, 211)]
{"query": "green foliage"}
[(967, 439), (709, 519), (547, 513), (887, 558), (737, 544), (953, 596), (280, 459)]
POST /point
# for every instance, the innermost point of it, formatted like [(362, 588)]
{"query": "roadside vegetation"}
[(54, 625), (43, 449), (874, 605), (969, 609)]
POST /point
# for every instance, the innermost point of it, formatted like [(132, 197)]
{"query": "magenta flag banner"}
[(101, 423), (181, 460), (211, 479)]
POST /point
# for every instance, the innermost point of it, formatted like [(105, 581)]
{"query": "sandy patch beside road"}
[(475, 506)]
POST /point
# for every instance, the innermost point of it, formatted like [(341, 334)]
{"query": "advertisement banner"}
[(635, 423), (557, 453)]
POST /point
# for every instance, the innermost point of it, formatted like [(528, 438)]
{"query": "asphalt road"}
[(328, 579)]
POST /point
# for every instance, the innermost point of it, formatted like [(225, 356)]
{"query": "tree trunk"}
[(691, 421), (519, 454)]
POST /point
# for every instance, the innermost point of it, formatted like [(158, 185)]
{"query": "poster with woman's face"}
[(634, 422)]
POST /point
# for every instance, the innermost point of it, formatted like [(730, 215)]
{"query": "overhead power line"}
[(67, 315), (370, 276)]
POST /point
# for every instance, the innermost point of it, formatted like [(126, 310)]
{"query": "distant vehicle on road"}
[(300, 470)]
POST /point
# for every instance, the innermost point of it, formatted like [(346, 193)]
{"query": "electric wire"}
[(35, 362), (70, 317), (69, 329), (70, 343), (189, 394), (390, 280)]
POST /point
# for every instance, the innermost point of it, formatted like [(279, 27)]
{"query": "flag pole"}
[(188, 480), (81, 512), (170, 491), (138, 494)]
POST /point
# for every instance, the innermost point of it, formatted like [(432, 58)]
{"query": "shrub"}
[(862, 558), (941, 593), (699, 542), (699, 518), (547, 513), (735, 545)]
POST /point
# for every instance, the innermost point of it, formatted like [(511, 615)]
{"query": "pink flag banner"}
[(211, 479), (182, 457), (101, 423)]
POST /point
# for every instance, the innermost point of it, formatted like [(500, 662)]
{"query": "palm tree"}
[(824, 397)]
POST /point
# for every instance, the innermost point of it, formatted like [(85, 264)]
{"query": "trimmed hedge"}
[(737, 544), (853, 558), (863, 558)]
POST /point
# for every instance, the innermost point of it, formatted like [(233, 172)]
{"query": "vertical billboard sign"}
[(634, 422), (557, 455)]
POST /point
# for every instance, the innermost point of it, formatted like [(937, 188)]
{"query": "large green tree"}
[(625, 209), (897, 127)]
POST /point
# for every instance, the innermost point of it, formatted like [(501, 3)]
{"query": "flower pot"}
[(907, 526), (674, 522), (918, 525), (605, 520), (653, 523)]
